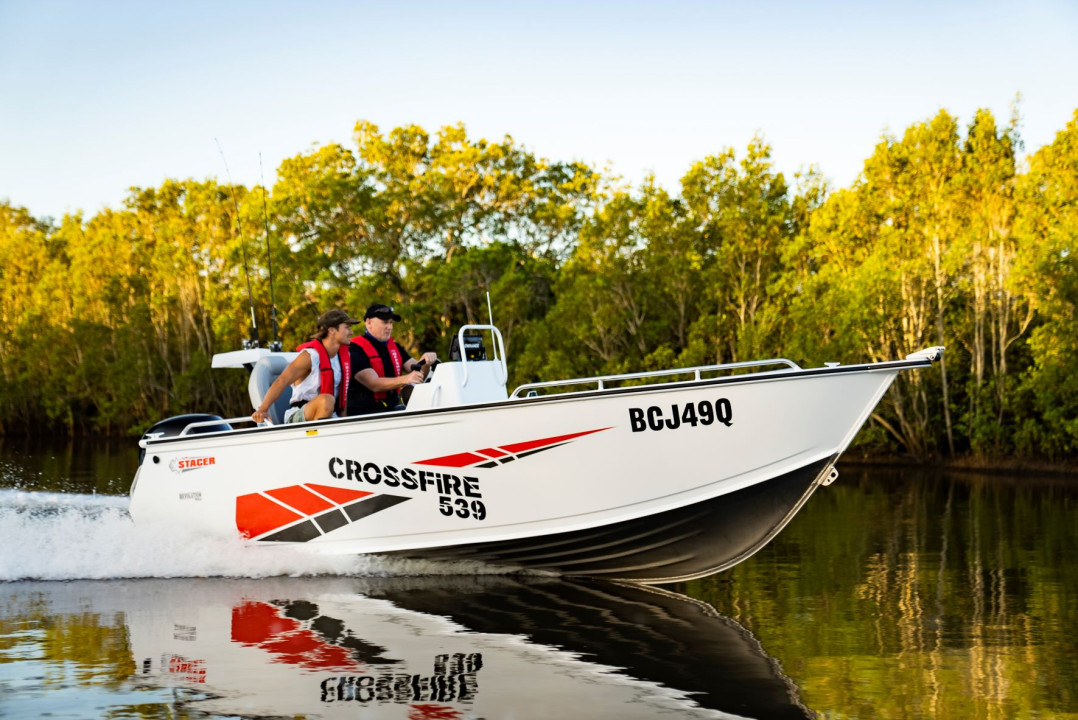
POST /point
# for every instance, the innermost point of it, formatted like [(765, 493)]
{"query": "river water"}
[(893, 594)]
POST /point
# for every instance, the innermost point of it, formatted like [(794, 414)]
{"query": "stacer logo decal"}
[(182, 465), (192, 671), (300, 513), (494, 456)]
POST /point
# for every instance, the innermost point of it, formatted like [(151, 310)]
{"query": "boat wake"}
[(60, 536)]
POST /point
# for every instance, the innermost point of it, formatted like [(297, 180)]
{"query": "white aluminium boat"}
[(679, 477)]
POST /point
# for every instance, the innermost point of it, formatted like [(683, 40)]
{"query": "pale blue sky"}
[(100, 95)]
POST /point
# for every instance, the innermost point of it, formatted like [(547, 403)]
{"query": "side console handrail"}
[(602, 379)]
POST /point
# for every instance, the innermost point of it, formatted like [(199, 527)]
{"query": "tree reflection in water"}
[(904, 593)]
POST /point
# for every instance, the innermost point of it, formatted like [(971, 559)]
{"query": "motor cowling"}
[(173, 426)]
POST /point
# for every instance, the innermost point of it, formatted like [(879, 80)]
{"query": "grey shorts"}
[(297, 416)]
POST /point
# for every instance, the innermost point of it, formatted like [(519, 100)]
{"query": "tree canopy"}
[(945, 238)]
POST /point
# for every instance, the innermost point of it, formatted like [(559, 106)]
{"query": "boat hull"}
[(652, 484), (672, 546)]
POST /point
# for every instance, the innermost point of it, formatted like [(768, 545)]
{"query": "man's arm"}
[(370, 380)]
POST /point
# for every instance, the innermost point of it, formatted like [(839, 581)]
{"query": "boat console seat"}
[(264, 372)]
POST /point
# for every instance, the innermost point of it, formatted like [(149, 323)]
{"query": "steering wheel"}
[(433, 366)]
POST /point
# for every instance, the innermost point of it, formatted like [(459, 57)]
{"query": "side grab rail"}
[(602, 379), (224, 421)]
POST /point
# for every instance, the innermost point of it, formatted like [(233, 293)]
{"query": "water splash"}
[(60, 536)]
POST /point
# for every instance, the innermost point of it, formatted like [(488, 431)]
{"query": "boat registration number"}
[(679, 415)]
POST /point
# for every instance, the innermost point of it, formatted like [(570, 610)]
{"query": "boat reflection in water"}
[(461, 647)]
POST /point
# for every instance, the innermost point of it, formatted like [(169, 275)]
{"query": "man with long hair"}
[(316, 374)]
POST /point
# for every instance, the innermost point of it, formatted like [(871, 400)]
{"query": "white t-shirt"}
[(309, 387)]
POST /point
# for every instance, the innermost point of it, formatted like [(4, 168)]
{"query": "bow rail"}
[(601, 380)]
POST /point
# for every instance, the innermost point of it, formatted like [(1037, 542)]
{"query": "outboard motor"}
[(173, 426)]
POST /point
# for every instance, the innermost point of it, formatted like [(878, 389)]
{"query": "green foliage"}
[(1047, 276), (743, 216), (111, 320)]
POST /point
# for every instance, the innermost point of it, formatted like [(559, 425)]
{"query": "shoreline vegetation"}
[(1063, 470), (950, 236)]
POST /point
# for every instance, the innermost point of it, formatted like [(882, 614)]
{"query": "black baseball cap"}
[(384, 312)]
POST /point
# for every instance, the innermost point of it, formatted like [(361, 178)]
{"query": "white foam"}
[(58, 536)]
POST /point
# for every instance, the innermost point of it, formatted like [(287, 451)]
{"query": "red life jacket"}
[(376, 359), (325, 372)]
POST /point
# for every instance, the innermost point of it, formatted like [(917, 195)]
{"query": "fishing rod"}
[(253, 341), (276, 344)]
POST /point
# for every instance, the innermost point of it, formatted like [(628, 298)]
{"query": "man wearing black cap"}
[(316, 373), (380, 367)]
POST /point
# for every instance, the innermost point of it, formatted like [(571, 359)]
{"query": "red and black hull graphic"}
[(294, 633), (303, 512), (300, 513), (502, 454)]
